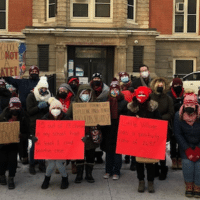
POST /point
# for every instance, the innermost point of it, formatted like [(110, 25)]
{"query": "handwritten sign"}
[(92, 113), (59, 139), (9, 132), (9, 59), (142, 137)]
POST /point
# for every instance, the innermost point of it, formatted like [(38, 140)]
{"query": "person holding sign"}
[(85, 94), (187, 133), (37, 107), (8, 152), (55, 113), (118, 106), (143, 106)]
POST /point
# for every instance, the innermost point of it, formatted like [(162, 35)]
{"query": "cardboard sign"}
[(9, 59), (9, 132), (59, 139), (142, 137), (92, 113)]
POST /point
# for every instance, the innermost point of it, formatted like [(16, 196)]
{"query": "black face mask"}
[(160, 89), (178, 89), (15, 112), (43, 93), (63, 95), (189, 110), (34, 76), (97, 83), (74, 87)]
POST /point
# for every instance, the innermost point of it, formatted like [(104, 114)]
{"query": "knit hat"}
[(190, 99), (43, 82), (99, 75), (14, 102), (114, 84), (142, 93), (73, 78), (34, 67), (2, 82), (122, 74), (54, 103), (177, 81)]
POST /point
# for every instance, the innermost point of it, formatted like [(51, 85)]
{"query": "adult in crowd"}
[(55, 113), (101, 91), (143, 106), (187, 133), (8, 152), (37, 107), (176, 93), (85, 94), (118, 106), (159, 86), (73, 81)]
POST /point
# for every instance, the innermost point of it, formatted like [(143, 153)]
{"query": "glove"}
[(84, 139), (34, 139), (191, 154), (42, 104), (197, 151)]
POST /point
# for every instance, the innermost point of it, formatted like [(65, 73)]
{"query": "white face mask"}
[(145, 74), (55, 112)]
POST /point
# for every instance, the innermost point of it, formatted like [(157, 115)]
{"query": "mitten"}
[(191, 154), (42, 104), (34, 139), (84, 139)]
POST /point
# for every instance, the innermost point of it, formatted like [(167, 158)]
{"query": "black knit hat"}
[(99, 75)]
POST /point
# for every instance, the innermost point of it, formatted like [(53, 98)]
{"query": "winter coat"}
[(5, 96), (24, 128), (104, 94), (89, 144), (24, 87), (34, 112), (187, 136), (140, 82), (109, 133)]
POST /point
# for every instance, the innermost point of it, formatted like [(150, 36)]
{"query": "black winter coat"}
[(5, 96)]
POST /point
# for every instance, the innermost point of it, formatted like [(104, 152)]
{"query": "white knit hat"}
[(54, 103), (43, 82)]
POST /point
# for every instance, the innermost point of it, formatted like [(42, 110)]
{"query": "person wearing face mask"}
[(159, 88), (118, 106), (101, 91), (143, 106), (176, 93), (187, 133), (85, 94), (8, 152), (37, 107), (55, 113), (73, 81)]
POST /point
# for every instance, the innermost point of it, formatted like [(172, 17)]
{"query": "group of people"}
[(138, 97)]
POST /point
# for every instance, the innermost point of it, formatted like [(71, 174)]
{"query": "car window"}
[(189, 77)]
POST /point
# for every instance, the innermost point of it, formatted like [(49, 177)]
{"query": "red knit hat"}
[(34, 67), (190, 99), (73, 79), (142, 93), (177, 81), (123, 74), (114, 84), (14, 101)]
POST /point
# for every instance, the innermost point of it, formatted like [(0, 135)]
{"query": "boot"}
[(32, 169), (196, 191), (88, 170), (127, 159), (79, 176), (151, 187), (64, 183), (141, 186), (174, 163), (11, 184), (45, 183), (3, 180), (133, 167), (98, 156), (73, 166), (157, 168), (25, 161), (189, 189), (163, 174), (179, 163), (42, 167)]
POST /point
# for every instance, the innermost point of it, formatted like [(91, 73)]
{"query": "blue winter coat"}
[(186, 135)]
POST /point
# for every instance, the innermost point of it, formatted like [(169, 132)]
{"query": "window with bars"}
[(51, 9), (138, 52), (131, 4), (2, 14), (43, 57)]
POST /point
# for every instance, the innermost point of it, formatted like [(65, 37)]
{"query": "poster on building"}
[(9, 132), (9, 59), (92, 113)]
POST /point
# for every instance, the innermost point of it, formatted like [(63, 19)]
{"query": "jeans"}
[(56, 163), (191, 171), (113, 163), (150, 171), (32, 160)]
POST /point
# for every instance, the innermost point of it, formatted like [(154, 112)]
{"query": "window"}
[(90, 10), (51, 9), (138, 52), (43, 57), (183, 67), (3, 14), (131, 9), (185, 16)]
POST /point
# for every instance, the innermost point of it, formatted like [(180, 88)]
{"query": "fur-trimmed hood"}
[(133, 107), (153, 84)]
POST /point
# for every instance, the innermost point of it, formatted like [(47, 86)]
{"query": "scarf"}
[(144, 83), (174, 93), (114, 106), (125, 86), (66, 102)]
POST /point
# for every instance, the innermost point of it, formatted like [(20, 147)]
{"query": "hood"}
[(85, 87), (39, 97), (153, 84), (104, 93), (68, 87)]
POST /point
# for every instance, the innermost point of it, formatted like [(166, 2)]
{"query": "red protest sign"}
[(59, 139), (142, 137)]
